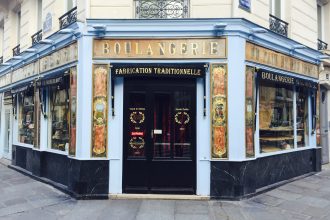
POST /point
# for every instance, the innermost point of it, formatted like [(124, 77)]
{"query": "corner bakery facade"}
[(201, 112)]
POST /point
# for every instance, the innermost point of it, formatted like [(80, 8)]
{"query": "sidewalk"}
[(24, 198)]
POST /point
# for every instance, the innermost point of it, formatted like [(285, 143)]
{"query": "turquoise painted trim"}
[(60, 40)]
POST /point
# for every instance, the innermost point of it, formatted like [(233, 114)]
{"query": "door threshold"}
[(158, 196)]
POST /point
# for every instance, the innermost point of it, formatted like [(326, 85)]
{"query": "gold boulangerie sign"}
[(258, 54), (100, 110), (219, 129), (160, 48)]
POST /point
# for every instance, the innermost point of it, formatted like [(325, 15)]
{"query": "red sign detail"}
[(137, 133)]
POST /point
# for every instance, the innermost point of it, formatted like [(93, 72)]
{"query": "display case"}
[(276, 130), (26, 117), (59, 105)]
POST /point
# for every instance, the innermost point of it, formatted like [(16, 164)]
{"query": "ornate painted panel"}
[(73, 110), (249, 111), (100, 110), (219, 129)]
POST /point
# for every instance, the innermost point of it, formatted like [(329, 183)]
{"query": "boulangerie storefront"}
[(195, 108)]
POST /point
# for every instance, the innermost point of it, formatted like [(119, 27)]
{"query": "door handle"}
[(152, 134)]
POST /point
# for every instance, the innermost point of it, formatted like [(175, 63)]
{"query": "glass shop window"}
[(59, 116), (302, 116), (26, 117), (275, 117)]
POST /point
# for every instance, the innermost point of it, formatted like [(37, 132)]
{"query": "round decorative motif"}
[(137, 117), (182, 118), (136, 143)]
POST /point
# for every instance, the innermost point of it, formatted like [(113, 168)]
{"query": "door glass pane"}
[(136, 125), (182, 124), (162, 125)]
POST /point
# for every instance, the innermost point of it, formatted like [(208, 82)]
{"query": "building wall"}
[(10, 39), (259, 13), (56, 8), (300, 14), (303, 22)]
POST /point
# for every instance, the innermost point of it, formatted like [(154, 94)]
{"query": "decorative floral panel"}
[(249, 111), (73, 110), (219, 130), (100, 110)]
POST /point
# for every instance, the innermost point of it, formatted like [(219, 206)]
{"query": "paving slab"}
[(24, 198)]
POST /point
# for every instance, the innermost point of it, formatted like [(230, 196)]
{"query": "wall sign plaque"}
[(59, 58), (285, 79), (258, 54), (160, 48), (25, 72), (187, 70)]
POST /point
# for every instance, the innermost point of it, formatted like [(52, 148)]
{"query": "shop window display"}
[(275, 117), (26, 117), (302, 116), (59, 116)]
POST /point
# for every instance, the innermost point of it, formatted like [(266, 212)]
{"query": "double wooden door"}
[(159, 136)]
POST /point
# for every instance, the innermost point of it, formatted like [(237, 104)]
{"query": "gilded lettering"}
[(183, 48), (128, 47), (194, 48), (214, 48), (106, 48), (161, 48), (117, 48), (149, 50), (172, 48)]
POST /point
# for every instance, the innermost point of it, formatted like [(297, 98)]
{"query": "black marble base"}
[(235, 180), (83, 179)]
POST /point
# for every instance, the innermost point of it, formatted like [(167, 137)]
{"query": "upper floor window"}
[(18, 26), (162, 9), (321, 45), (275, 8), (71, 4), (319, 22), (39, 15), (276, 24)]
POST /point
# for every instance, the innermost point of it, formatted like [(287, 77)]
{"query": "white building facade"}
[(209, 98)]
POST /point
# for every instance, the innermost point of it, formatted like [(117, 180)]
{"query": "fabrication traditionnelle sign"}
[(190, 70)]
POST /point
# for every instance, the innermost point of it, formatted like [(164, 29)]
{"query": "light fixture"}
[(46, 41), (298, 46), (66, 31), (17, 58), (323, 57), (220, 26), (100, 29), (31, 50), (258, 30)]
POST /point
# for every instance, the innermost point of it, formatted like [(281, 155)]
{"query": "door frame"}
[(156, 87), (203, 139), (7, 109)]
